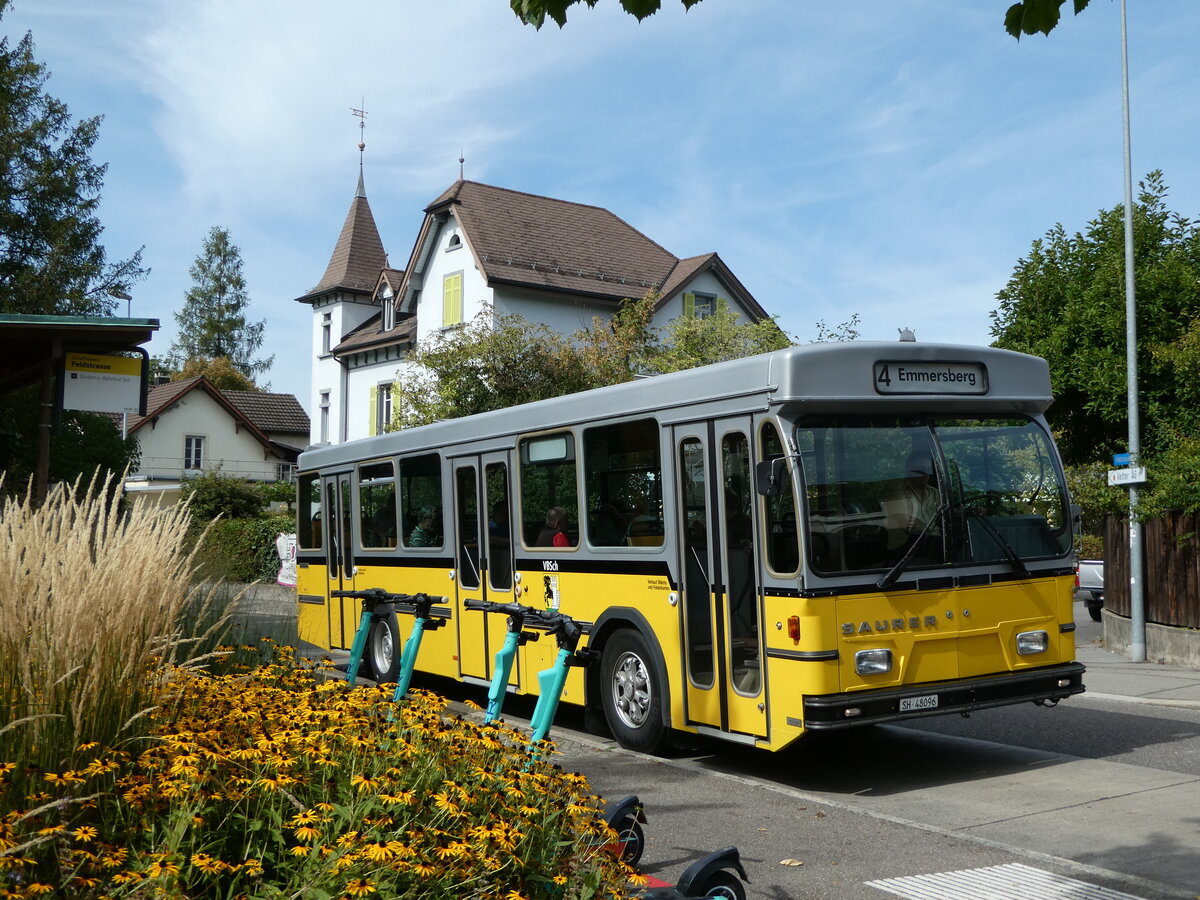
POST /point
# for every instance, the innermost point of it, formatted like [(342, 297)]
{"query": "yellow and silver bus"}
[(825, 536)]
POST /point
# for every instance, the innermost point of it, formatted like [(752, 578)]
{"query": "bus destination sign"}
[(918, 377)]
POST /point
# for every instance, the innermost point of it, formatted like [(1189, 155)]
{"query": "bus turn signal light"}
[(794, 628)]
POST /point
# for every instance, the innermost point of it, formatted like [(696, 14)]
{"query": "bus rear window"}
[(308, 512)]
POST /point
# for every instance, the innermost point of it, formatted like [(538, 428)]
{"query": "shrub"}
[(215, 494), (242, 550)]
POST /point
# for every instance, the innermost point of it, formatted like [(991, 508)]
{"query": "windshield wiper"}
[(902, 563), (1005, 547)]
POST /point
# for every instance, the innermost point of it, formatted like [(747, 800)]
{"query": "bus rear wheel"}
[(631, 693), (382, 655)]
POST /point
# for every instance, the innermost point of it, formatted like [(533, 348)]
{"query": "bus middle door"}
[(344, 612), (722, 644), (483, 557)]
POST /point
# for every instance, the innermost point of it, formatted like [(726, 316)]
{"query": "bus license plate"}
[(908, 704)]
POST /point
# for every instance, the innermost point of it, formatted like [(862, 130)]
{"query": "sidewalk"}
[(1111, 676)]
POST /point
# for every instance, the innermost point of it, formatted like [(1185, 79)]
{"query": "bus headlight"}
[(872, 662), (1031, 642)]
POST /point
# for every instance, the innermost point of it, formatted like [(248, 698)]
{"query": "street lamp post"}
[(1137, 606)]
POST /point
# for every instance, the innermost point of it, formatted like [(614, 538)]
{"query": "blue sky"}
[(890, 158)]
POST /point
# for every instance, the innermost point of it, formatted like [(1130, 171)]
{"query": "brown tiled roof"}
[(272, 413), (279, 413), (553, 244), (358, 255), (370, 334)]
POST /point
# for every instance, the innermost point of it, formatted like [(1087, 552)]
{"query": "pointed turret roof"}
[(358, 255)]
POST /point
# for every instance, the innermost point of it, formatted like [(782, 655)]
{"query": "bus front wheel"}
[(631, 693), (383, 649)]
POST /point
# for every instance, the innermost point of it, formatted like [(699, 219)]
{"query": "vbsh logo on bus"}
[(908, 377)]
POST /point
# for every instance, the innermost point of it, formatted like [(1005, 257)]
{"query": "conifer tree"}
[(51, 259), (212, 322)]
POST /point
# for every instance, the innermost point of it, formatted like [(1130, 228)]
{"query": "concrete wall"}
[(1164, 643)]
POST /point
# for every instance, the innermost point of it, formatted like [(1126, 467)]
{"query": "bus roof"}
[(859, 376)]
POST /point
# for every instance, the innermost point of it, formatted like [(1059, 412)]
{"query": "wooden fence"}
[(1171, 583)]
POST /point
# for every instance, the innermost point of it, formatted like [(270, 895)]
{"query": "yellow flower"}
[(253, 867), (300, 850), (85, 833), (360, 887), (377, 852), (38, 888), (306, 833)]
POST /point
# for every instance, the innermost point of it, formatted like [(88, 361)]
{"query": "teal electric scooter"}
[(377, 604)]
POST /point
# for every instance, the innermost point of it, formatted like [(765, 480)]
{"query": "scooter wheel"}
[(632, 841), (723, 885)]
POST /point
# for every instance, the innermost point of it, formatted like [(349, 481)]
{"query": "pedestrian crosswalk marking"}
[(996, 883)]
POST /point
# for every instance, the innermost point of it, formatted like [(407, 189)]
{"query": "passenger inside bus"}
[(554, 532), (428, 532)]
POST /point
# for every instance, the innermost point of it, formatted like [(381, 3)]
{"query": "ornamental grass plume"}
[(91, 603)]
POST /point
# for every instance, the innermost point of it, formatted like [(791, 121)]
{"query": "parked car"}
[(1089, 585)]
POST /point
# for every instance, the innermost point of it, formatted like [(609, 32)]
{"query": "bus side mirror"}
[(768, 476)]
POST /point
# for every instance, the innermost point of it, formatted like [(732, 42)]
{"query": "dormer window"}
[(454, 243), (389, 315)]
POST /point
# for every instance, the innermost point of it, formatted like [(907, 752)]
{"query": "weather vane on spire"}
[(362, 129)]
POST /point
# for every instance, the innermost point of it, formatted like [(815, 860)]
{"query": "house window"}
[(452, 303), (701, 306), (454, 243), (381, 408), (285, 472), (326, 332), (389, 315), (324, 417), (193, 452)]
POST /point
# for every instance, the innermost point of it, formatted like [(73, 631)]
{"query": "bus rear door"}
[(344, 612), (722, 645)]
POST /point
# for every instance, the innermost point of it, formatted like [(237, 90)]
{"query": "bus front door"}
[(721, 601), (484, 561), (344, 612)]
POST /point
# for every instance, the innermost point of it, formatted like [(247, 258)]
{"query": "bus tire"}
[(382, 655), (631, 693)]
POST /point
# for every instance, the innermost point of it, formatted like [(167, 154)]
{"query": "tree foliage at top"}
[(220, 371), (212, 322), (51, 258), (1065, 302), (501, 361), (1025, 17)]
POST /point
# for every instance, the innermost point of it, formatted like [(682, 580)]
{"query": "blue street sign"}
[(1122, 459)]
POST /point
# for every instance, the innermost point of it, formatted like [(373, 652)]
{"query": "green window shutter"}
[(372, 423), (452, 307), (689, 306)]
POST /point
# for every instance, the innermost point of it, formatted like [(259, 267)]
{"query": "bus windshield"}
[(929, 492)]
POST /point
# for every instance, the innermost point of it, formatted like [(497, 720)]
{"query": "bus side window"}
[(421, 501), (779, 510), (377, 505), (549, 492), (623, 478)]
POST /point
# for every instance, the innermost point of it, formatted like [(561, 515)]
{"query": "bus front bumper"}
[(1049, 685)]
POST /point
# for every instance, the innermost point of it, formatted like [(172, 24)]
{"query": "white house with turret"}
[(551, 261)]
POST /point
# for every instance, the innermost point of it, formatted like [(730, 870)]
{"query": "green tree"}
[(1026, 17), (691, 342), (51, 258), (85, 442), (212, 322), (1065, 302)]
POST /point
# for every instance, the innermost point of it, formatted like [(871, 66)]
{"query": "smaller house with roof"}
[(192, 427), (481, 247)]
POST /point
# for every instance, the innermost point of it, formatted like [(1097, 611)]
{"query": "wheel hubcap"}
[(383, 651), (631, 690)]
